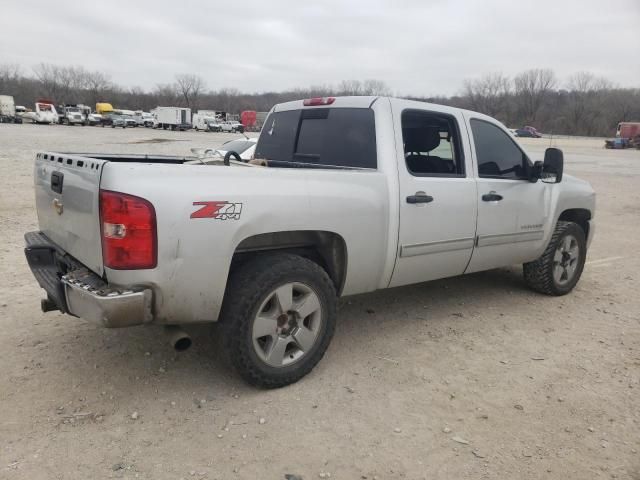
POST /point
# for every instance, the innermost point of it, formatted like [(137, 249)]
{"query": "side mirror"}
[(552, 166), (535, 172)]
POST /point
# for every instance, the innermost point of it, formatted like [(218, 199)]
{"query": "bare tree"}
[(375, 87), (584, 101), (190, 87), (9, 72), (166, 94), (226, 99), (350, 87), (488, 94), (49, 77), (587, 105), (97, 84), (532, 88)]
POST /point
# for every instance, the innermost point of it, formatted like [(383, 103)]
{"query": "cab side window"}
[(498, 155), (431, 144)]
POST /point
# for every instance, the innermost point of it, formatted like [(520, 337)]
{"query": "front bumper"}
[(76, 290)]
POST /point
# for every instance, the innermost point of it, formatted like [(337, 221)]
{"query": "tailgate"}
[(67, 201)]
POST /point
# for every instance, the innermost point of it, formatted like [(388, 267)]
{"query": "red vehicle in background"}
[(248, 119), (527, 131), (628, 129), (627, 136)]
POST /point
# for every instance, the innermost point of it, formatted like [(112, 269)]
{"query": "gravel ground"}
[(470, 377)]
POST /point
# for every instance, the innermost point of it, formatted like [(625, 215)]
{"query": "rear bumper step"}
[(73, 289)]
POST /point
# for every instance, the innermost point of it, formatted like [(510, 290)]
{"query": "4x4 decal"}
[(220, 210)]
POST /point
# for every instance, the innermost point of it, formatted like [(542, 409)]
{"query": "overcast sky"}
[(421, 47)]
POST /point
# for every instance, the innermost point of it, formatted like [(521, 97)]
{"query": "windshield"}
[(237, 146), (73, 109)]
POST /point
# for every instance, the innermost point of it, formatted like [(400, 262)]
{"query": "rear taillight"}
[(128, 225), (312, 102)]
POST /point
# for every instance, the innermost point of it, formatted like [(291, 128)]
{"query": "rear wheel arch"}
[(327, 249)]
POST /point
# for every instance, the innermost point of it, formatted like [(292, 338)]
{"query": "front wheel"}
[(559, 268), (278, 317)]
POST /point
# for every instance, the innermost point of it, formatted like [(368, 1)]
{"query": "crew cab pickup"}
[(344, 196)]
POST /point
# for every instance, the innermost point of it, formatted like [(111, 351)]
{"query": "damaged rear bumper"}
[(76, 290)]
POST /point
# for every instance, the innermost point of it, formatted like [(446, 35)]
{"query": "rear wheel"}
[(559, 268), (278, 318)]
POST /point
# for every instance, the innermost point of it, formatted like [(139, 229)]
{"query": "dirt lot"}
[(470, 377)]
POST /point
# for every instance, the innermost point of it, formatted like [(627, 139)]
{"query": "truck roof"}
[(352, 102), (368, 101), (340, 102)]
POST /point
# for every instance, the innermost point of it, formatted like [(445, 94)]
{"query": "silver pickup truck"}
[(344, 196)]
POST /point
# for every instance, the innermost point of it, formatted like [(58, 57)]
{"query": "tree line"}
[(583, 104)]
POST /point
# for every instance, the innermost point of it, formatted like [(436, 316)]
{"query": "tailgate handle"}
[(56, 181)]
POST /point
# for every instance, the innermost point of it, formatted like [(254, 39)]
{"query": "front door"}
[(437, 195), (513, 213)]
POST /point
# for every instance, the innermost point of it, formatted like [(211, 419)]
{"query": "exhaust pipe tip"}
[(182, 344), (178, 338)]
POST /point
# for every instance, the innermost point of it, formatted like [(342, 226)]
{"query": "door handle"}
[(419, 198), (491, 197)]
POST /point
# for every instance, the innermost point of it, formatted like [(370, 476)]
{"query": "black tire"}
[(539, 274), (249, 286)]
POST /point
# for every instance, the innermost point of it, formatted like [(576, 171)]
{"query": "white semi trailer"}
[(174, 118), (8, 110)]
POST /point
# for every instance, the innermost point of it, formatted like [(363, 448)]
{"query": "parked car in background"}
[(123, 120), (143, 119), (527, 131), (94, 119), (214, 126), (231, 126), (244, 147), (205, 123), (20, 111), (115, 119), (106, 119), (71, 115), (44, 113), (118, 120)]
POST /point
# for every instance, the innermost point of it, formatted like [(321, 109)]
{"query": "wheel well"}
[(327, 249), (580, 216)]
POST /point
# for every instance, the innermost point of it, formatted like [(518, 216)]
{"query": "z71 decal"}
[(217, 210)]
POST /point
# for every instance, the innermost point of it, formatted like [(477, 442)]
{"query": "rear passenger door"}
[(513, 213), (438, 194)]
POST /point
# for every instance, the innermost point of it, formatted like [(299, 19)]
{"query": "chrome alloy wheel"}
[(287, 324), (565, 260)]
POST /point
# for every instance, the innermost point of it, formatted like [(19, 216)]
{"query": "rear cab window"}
[(320, 138)]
